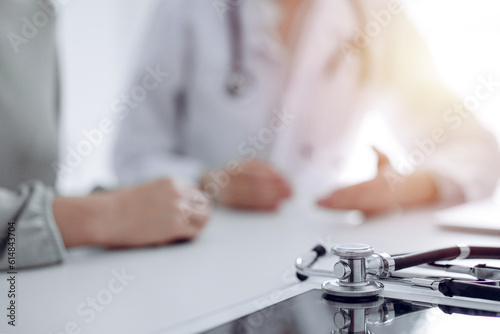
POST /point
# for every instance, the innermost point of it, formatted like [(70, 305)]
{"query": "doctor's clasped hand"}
[(252, 184)]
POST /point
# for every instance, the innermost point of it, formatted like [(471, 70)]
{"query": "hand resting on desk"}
[(254, 185), (155, 213), (381, 194)]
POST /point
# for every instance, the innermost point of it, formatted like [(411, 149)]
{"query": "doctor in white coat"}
[(264, 94)]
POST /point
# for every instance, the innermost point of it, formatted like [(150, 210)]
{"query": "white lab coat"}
[(319, 92)]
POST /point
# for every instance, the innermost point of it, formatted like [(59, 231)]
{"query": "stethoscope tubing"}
[(451, 287), (457, 252)]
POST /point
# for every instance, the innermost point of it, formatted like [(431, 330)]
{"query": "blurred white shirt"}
[(303, 107)]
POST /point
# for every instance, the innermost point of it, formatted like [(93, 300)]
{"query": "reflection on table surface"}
[(312, 312)]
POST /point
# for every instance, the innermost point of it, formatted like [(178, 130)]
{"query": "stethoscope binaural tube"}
[(237, 80)]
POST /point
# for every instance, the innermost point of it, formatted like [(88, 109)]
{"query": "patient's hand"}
[(254, 185), (383, 192), (155, 213)]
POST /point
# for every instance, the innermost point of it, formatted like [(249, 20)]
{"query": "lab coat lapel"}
[(325, 27)]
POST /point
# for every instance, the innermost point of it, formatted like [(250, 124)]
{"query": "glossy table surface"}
[(239, 255)]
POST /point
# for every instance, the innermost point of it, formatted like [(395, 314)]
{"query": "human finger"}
[(382, 159), (256, 193), (367, 197), (269, 180)]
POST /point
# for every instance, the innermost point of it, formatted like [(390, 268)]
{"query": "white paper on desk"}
[(480, 216)]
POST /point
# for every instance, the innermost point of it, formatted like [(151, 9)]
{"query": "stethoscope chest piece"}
[(350, 270), (237, 83)]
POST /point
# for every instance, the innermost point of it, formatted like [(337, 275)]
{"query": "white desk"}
[(239, 256)]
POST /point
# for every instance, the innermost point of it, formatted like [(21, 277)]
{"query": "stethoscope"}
[(238, 80), (360, 273)]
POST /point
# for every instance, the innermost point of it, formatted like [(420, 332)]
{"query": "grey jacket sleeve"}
[(30, 236), (28, 137)]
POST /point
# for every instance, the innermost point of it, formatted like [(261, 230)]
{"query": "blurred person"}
[(260, 92), (37, 226)]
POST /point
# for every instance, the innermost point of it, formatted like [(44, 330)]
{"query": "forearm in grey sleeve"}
[(35, 236)]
